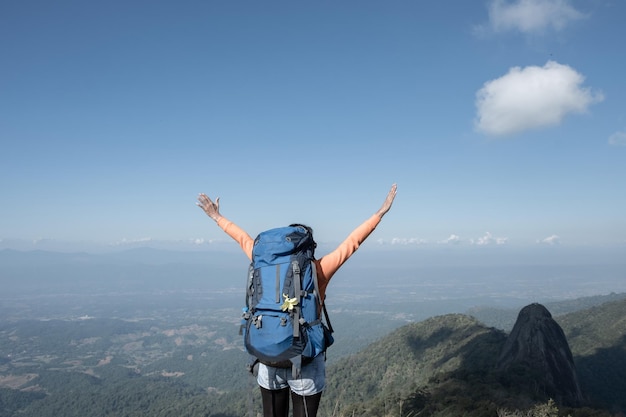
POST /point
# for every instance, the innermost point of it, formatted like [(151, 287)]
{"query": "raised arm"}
[(212, 209), (330, 263)]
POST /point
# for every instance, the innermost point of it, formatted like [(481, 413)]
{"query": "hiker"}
[(276, 383)]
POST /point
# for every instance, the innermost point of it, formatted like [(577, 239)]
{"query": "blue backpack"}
[(282, 323)]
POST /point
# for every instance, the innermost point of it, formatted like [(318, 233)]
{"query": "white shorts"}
[(311, 381)]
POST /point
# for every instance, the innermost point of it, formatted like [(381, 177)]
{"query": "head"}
[(308, 228)]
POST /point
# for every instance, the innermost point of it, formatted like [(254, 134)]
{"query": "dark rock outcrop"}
[(537, 353)]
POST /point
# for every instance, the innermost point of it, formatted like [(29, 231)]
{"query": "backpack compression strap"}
[(297, 293)]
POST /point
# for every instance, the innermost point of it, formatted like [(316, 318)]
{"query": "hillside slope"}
[(417, 366), (448, 366), (597, 338)]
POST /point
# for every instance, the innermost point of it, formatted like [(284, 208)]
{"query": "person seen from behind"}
[(278, 384)]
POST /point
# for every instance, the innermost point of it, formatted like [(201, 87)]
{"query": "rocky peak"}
[(538, 349)]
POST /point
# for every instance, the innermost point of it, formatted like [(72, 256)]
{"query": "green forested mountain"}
[(442, 366), (446, 366), (597, 338), (444, 359)]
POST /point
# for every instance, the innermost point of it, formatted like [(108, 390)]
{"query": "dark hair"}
[(308, 229)]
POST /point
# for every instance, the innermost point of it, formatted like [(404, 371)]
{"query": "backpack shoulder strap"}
[(322, 304)]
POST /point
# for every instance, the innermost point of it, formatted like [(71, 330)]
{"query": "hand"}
[(388, 201), (212, 209)]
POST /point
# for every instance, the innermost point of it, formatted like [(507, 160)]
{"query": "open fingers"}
[(392, 193), (204, 199)]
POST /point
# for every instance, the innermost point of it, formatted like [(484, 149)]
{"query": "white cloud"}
[(125, 241), (407, 241), (489, 239), (550, 240), (452, 240), (618, 139), (530, 98), (402, 241), (531, 16)]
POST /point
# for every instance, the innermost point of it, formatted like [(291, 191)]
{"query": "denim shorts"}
[(311, 381)]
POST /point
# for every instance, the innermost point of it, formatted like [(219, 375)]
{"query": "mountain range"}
[(454, 365), (153, 334), (448, 365)]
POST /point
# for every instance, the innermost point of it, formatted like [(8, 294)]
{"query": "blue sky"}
[(503, 122)]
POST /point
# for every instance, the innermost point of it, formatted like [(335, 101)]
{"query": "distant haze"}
[(371, 278)]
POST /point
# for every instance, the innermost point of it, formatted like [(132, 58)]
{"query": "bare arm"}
[(330, 263), (212, 209)]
